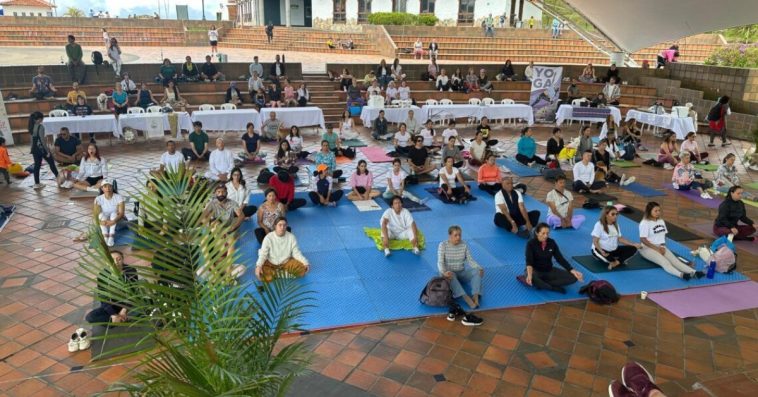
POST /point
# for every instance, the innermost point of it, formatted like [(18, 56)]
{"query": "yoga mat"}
[(518, 168), (367, 205), (706, 167), (694, 195), (353, 143), (410, 205), (6, 215), (751, 186), (707, 230), (637, 262), (376, 154), (643, 190), (120, 340), (435, 192), (710, 300), (624, 164), (600, 197), (674, 232)]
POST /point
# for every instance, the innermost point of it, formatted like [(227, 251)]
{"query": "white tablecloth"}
[(81, 125), (301, 117), (139, 121), (227, 120), (680, 125), (393, 115), (497, 111), (565, 113)]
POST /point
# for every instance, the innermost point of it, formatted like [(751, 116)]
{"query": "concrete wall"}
[(714, 81), (112, 22)]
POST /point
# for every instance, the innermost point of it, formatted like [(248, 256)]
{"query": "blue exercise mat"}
[(643, 190), (518, 168)]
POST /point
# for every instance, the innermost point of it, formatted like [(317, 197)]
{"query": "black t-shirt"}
[(82, 110), (418, 156), (484, 130), (251, 142), (554, 147), (68, 147), (209, 69)]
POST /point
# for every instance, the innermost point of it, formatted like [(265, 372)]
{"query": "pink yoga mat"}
[(706, 301), (694, 195), (707, 230), (376, 154)]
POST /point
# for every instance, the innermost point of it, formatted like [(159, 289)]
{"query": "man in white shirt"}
[(398, 224), (128, 85), (255, 67), (254, 84), (510, 212), (560, 213), (221, 163), (584, 176), (271, 127), (411, 124), (171, 159), (280, 254)]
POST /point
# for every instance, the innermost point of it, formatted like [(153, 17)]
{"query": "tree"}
[(74, 12), (213, 336)]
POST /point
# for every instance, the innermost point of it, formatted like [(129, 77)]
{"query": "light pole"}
[(203, 5)]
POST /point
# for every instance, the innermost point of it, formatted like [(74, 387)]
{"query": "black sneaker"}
[(699, 274), (471, 320), (454, 313), (711, 144), (686, 276)]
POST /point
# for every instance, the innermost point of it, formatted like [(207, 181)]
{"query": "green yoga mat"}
[(706, 167), (674, 232), (637, 262), (624, 164), (354, 143), (751, 186)]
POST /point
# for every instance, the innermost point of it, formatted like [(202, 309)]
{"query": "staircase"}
[(296, 39), (323, 95)]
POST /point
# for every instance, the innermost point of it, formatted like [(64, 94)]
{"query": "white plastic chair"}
[(58, 113), (206, 106), (507, 101), (406, 103), (432, 102), (135, 110), (474, 101), (446, 101), (396, 102), (228, 106), (154, 109), (488, 101)]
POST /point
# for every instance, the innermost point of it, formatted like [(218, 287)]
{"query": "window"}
[(15, 14), (23, 14), (399, 5), (339, 11), (466, 12), (364, 10), (427, 7), (39, 13)]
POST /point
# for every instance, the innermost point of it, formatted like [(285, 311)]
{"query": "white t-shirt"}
[(296, 142), (500, 200), (448, 132), (172, 161), (404, 93), (451, 177), (347, 125), (109, 206), (608, 241), (402, 139), (562, 202), (213, 35), (428, 136), (398, 223), (239, 196), (477, 150), (653, 231), (396, 180)]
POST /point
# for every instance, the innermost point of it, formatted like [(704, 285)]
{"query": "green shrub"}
[(401, 18), (735, 56), (427, 20)]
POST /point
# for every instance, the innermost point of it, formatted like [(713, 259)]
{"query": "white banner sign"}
[(5, 124), (546, 91)]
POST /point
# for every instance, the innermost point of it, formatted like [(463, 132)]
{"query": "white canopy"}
[(637, 24)]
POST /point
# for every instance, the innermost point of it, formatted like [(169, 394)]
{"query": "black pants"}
[(38, 164), (189, 154), (491, 189), (551, 279), (4, 173), (402, 150), (334, 197), (290, 170), (502, 221), (526, 160), (294, 204), (713, 133), (621, 254), (335, 174), (661, 62), (612, 177), (345, 151), (302, 101), (260, 234), (98, 315), (491, 142), (459, 193), (443, 87), (249, 210), (581, 187)]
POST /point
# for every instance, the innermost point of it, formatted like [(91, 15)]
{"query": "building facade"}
[(322, 13), (27, 8)]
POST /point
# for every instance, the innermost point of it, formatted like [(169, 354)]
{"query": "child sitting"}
[(5, 161)]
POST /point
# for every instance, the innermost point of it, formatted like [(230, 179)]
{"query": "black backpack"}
[(437, 292), (97, 58), (630, 152), (601, 292)]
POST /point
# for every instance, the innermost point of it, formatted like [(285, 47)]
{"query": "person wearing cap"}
[(321, 189), (397, 224), (198, 139), (280, 255), (326, 157), (284, 186), (220, 163), (108, 209)]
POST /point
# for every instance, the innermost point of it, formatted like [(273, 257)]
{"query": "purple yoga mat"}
[(707, 230), (706, 301), (694, 195)]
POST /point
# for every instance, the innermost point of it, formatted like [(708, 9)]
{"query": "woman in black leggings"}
[(540, 273), (40, 150)]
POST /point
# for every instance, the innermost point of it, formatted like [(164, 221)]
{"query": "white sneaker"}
[(386, 252), (73, 343), (668, 166), (631, 180), (622, 182), (110, 242), (93, 189), (38, 186), (706, 196), (67, 185), (416, 250), (84, 342)]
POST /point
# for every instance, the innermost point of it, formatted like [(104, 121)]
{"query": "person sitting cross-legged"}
[(321, 192), (92, 170), (396, 184), (220, 163), (731, 213), (527, 149), (67, 148), (452, 150), (418, 158), (540, 271), (284, 186), (685, 177), (452, 256), (478, 150), (286, 158), (510, 212), (361, 182), (237, 191), (380, 127), (601, 157), (449, 177), (171, 160), (560, 213), (335, 144), (109, 209), (484, 128), (606, 236), (489, 175), (397, 224), (112, 312), (402, 141), (268, 212), (223, 209), (198, 139), (280, 255), (326, 157), (209, 72), (584, 176), (271, 128)]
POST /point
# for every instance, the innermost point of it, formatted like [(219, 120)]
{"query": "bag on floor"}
[(630, 152), (601, 292), (724, 255), (437, 292)]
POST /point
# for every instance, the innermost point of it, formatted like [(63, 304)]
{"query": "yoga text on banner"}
[(545, 93)]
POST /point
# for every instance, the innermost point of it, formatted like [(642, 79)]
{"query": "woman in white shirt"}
[(303, 95), (346, 127), (296, 142), (606, 236), (396, 184), (477, 150), (397, 70), (653, 238), (448, 188), (114, 53), (237, 191), (402, 141), (443, 81), (92, 170), (689, 144), (109, 209), (213, 39), (404, 92), (390, 93), (397, 224), (418, 49)]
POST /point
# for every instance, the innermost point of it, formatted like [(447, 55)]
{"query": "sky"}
[(142, 7)]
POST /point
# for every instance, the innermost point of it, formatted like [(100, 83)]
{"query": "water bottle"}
[(711, 269)]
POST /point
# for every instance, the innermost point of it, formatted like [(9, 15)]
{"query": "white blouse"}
[(240, 196), (93, 169)]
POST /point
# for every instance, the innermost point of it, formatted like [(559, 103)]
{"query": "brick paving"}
[(557, 349)]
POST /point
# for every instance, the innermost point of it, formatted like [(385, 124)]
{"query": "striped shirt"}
[(452, 258)]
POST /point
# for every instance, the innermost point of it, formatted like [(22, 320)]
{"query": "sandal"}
[(611, 266), (81, 238)]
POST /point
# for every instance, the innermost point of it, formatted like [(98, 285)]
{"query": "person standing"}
[(213, 38), (270, 32), (106, 38), (717, 121), (76, 68), (40, 150), (114, 53)]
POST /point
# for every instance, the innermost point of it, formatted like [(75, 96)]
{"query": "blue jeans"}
[(471, 276)]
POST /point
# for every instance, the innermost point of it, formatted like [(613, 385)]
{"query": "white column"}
[(261, 14), (287, 12)]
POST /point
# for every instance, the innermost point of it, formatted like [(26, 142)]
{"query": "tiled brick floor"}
[(568, 349)]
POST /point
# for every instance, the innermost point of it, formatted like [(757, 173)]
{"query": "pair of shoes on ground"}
[(626, 181), (706, 196), (667, 166), (110, 241), (467, 319), (635, 382), (79, 341), (387, 251)]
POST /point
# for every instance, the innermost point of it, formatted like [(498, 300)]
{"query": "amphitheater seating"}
[(35, 35), (296, 39)]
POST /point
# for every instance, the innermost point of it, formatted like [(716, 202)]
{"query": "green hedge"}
[(742, 56), (401, 18)]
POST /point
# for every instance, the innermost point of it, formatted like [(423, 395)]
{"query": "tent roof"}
[(633, 25)]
